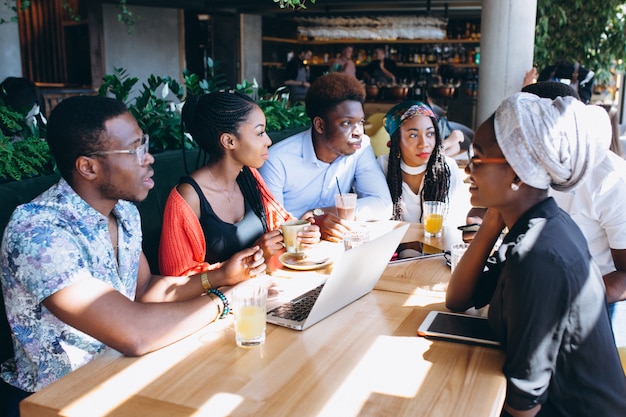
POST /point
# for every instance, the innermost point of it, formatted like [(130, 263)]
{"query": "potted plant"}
[(156, 106), (24, 152)]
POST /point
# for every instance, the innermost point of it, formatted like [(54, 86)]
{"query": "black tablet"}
[(455, 327)]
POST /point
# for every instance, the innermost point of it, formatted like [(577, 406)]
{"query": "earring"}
[(514, 186)]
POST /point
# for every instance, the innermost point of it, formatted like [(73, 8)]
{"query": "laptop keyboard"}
[(299, 308)]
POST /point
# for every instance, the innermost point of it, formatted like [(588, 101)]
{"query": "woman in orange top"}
[(224, 206)]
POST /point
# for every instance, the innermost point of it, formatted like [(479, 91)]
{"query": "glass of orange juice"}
[(249, 300), (434, 213)]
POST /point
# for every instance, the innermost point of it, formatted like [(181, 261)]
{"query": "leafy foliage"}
[(294, 4), (12, 5), (118, 84), (592, 33), (280, 115), (156, 115), (23, 152), (158, 105), (13, 165), (216, 81), (125, 16), (157, 108)]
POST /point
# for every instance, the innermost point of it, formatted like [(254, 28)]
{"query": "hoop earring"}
[(514, 186)]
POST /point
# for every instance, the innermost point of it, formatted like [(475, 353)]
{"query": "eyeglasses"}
[(474, 161), (140, 152)]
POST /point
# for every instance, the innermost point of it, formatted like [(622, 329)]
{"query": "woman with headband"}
[(416, 168), (547, 301)]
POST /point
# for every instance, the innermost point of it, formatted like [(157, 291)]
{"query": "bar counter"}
[(364, 360)]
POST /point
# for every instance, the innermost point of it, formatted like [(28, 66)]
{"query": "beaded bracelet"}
[(218, 303), (224, 300)]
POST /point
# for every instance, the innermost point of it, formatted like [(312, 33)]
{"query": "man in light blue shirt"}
[(305, 171)]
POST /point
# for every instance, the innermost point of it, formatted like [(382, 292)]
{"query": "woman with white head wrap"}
[(551, 143), (546, 296)]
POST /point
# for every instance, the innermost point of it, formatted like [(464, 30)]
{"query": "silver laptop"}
[(354, 274)]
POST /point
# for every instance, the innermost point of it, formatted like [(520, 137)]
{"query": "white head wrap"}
[(551, 143)]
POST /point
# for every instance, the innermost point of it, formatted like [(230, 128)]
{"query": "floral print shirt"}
[(52, 242)]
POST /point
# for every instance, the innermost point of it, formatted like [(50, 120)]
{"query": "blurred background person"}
[(298, 76), (344, 62), (381, 70)]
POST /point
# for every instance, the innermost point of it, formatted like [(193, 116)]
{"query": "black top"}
[(377, 75), (548, 307), (296, 70), (224, 239), (581, 79)]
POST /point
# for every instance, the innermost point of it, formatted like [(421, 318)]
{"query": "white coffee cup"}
[(290, 231)]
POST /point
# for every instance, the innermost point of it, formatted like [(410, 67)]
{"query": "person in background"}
[(597, 207), (73, 272), (23, 96), (224, 206), (297, 75), (456, 137), (416, 168), (344, 63), (546, 295), (305, 171), (381, 70)]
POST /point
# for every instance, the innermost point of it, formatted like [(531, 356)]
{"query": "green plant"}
[(12, 5), (217, 80), (23, 152), (125, 16), (592, 33), (280, 115), (294, 4), (156, 114)]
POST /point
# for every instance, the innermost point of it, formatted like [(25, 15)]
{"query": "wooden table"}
[(364, 360)]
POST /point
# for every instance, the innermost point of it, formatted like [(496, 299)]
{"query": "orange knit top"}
[(182, 248)]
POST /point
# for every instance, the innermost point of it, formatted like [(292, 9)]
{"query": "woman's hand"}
[(309, 236), (492, 220), (270, 243), (463, 281), (243, 265)]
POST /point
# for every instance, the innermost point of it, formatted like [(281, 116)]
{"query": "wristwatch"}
[(318, 212)]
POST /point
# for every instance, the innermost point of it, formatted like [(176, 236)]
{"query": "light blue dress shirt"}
[(301, 182)]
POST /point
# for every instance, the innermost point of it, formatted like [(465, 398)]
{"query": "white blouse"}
[(458, 201)]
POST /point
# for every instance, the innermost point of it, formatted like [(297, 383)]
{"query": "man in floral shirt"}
[(73, 274)]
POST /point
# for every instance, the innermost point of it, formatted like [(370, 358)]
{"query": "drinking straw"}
[(338, 187)]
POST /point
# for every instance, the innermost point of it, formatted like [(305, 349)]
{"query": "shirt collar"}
[(308, 151), (86, 212)]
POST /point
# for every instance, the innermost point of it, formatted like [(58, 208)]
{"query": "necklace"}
[(412, 170), (228, 195)]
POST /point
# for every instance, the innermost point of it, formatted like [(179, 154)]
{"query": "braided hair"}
[(437, 177), (206, 117)]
